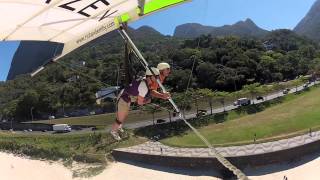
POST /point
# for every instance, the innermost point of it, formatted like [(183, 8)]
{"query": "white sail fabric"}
[(71, 22)]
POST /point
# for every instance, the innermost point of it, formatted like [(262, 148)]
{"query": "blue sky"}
[(7, 50), (267, 14)]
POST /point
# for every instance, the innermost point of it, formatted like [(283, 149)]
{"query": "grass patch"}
[(179, 128)]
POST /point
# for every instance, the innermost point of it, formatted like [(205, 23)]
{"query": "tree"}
[(207, 75), (183, 100), (208, 94), (315, 70), (9, 111), (262, 89), (185, 57), (151, 109), (236, 94), (221, 97), (196, 96), (252, 89), (28, 100), (178, 80)]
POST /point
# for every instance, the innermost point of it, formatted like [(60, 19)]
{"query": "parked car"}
[(51, 117), (242, 102), (27, 130), (94, 128), (201, 112), (260, 98), (305, 86), (159, 121), (286, 91)]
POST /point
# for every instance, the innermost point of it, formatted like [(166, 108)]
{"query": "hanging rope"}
[(190, 77), (187, 89)]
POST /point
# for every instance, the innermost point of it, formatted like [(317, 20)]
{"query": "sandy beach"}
[(21, 168)]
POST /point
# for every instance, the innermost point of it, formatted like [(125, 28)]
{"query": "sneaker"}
[(121, 130), (115, 135)]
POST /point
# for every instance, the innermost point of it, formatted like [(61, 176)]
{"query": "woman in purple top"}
[(138, 91)]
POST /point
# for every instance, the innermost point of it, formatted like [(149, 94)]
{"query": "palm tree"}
[(221, 96), (151, 109), (183, 100), (196, 96), (208, 94), (236, 94), (262, 90)]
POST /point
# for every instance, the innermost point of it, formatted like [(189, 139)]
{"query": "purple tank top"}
[(132, 90)]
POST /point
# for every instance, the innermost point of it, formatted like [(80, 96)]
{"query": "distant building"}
[(73, 78), (109, 92), (83, 63), (78, 64), (268, 45)]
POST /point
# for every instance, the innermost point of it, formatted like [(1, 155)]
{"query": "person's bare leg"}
[(121, 117)]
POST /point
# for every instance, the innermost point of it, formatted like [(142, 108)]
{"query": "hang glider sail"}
[(71, 22)]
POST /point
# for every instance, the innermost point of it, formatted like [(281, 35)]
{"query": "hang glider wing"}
[(71, 22)]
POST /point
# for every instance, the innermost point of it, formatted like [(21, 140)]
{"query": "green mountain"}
[(309, 26), (242, 28)]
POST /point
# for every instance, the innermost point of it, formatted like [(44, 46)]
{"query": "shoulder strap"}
[(145, 81)]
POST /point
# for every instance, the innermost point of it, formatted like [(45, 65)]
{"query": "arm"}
[(157, 94), (154, 87), (141, 100)]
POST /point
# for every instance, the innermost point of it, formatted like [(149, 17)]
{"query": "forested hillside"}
[(220, 63)]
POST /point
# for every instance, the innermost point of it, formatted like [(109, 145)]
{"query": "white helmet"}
[(155, 71), (163, 65)]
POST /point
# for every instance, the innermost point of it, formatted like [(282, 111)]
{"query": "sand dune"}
[(21, 168)]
